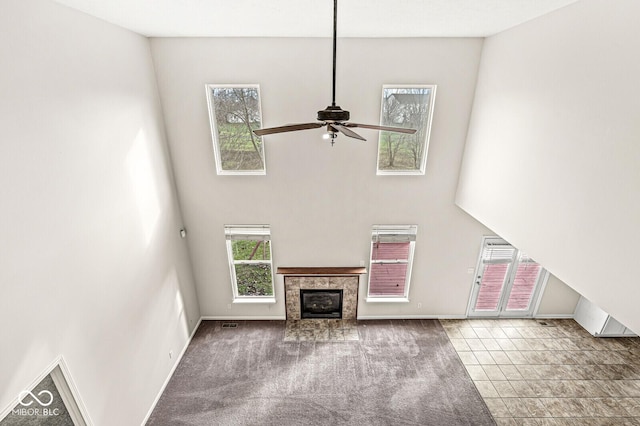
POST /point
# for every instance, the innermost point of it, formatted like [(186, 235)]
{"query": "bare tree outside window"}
[(235, 113), (409, 107)]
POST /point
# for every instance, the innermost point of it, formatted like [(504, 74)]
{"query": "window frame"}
[(255, 233), (423, 162), (209, 87), (392, 233)]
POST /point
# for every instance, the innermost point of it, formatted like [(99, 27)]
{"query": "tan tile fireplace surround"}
[(345, 279)]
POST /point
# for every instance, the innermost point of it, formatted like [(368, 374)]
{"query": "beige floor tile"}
[(475, 344), (484, 357), (529, 372), (511, 332), (482, 333), (486, 389), (490, 344), (497, 407), (554, 374), (506, 345), (500, 357), (494, 372), (541, 388), (521, 344), (468, 333), (630, 387), (522, 388), (536, 407), (468, 358), (511, 372), (504, 388), (476, 372), (516, 407), (632, 405), (453, 333), (516, 357), (460, 345), (497, 333)]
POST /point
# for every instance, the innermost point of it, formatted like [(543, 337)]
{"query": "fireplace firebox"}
[(321, 303)]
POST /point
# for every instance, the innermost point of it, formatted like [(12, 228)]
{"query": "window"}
[(507, 281), (234, 112), (390, 266), (249, 251), (411, 107)]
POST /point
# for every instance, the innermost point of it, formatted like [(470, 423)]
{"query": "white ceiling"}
[(313, 18)]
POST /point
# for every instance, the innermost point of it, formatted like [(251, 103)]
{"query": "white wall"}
[(558, 300), (92, 266), (321, 201), (552, 156)]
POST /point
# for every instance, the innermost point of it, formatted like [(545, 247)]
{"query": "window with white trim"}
[(250, 264), (409, 106), (392, 248), (234, 112)]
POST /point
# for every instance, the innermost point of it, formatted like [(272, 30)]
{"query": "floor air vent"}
[(229, 324)]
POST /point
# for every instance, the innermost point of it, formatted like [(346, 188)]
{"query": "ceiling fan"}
[(333, 117)]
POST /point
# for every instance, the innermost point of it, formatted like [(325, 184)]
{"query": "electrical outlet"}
[(470, 271), (362, 263), (229, 306), (419, 305), (170, 354)]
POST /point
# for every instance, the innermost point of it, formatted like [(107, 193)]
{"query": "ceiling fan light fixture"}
[(334, 117)]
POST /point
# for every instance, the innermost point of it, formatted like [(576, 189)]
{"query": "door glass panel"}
[(493, 278), (524, 284)]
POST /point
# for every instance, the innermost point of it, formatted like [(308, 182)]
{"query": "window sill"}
[(242, 172), (251, 299), (387, 300)]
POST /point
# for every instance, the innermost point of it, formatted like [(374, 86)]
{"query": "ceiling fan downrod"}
[(335, 33), (334, 113)]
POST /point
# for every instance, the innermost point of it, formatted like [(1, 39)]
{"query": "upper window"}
[(249, 251), (411, 107), (391, 259), (234, 112)]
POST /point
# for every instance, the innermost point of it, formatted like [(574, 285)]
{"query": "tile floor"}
[(321, 330), (551, 372)]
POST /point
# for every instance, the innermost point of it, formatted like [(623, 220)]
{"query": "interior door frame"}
[(501, 311)]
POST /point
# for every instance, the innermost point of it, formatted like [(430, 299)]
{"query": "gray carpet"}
[(400, 372)]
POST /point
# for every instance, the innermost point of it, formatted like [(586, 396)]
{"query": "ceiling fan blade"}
[(386, 128), (287, 128), (347, 132)]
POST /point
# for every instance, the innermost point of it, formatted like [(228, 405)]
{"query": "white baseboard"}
[(554, 316), (173, 369), (384, 317), (243, 318)]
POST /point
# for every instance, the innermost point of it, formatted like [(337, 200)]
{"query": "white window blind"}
[(391, 258)]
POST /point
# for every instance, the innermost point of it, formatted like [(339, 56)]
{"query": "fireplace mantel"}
[(307, 271)]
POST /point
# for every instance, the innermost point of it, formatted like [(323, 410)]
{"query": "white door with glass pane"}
[(507, 282)]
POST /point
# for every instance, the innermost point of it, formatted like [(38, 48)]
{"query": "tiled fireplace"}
[(347, 283)]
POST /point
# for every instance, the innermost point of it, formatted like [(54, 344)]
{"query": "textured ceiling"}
[(313, 18)]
